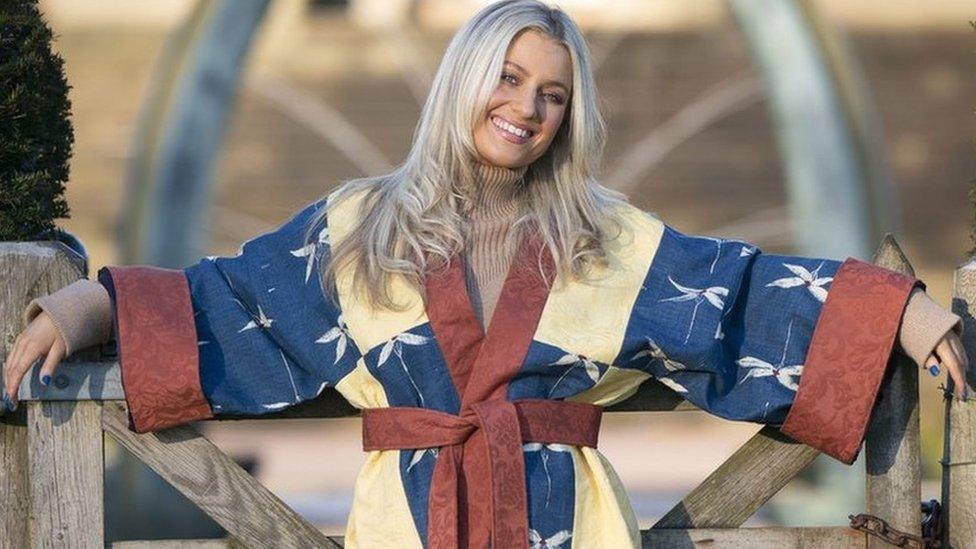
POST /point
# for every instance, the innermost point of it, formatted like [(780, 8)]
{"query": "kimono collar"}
[(498, 192)]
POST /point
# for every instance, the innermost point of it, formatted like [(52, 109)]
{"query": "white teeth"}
[(510, 128)]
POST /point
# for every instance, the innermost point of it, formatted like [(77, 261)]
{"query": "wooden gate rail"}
[(57, 436)]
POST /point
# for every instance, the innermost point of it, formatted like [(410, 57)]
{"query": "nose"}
[(525, 105)]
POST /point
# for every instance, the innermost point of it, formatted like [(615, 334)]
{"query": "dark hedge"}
[(36, 134)]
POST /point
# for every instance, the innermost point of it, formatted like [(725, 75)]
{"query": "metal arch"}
[(181, 130), (837, 182), (838, 186), (828, 134)]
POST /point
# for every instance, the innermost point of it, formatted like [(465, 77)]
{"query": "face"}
[(527, 108)]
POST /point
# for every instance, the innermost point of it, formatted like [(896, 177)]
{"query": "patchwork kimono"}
[(478, 438)]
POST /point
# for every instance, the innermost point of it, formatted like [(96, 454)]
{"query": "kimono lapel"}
[(513, 324), (482, 364), (453, 321)]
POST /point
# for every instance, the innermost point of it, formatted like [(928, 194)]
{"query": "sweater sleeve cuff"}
[(157, 346), (81, 312), (923, 325), (847, 358)]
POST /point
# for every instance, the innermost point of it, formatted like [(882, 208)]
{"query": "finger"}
[(7, 363), (960, 349), (952, 364), (10, 367), (932, 365), (8, 360), (54, 357), (12, 358), (11, 352), (18, 369)]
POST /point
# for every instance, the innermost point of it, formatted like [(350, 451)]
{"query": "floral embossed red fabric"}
[(847, 358), (157, 346), (490, 434), (478, 493)]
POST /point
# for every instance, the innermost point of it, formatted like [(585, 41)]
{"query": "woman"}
[(481, 304)]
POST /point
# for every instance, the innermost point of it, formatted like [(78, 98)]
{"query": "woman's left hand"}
[(950, 354)]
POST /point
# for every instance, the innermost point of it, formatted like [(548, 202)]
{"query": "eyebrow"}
[(550, 82)]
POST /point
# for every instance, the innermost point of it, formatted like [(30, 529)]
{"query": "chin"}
[(510, 164), (501, 159), (502, 154)]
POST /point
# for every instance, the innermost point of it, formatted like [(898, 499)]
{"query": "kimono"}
[(478, 438)]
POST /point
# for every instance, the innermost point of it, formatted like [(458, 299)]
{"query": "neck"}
[(498, 191)]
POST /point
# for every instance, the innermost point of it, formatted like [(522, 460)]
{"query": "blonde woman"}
[(484, 301)]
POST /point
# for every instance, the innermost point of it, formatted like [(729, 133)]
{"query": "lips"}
[(511, 132)]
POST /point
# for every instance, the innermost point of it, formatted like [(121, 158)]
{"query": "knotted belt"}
[(479, 477)]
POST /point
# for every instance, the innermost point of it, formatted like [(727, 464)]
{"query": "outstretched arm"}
[(792, 341), (246, 334)]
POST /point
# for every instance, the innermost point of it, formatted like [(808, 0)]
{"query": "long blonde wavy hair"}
[(412, 222)]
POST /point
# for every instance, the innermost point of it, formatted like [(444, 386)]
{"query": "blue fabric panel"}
[(725, 325), (550, 372), (551, 484), (268, 338)]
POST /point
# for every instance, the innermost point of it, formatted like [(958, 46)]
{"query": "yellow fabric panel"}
[(603, 516), (590, 318), (380, 516), (616, 384), (361, 389), (369, 327)]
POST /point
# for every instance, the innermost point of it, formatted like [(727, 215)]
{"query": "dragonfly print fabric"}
[(476, 437)]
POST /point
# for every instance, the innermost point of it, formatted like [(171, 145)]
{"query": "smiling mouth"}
[(511, 132)]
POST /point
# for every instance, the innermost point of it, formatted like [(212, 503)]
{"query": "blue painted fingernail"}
[(934, 370), (45, 380), (7, 403)]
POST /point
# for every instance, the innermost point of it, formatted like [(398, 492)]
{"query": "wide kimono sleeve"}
[(802, 343), (249, 334)]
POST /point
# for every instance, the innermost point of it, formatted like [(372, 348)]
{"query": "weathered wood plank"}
[(959, 452), (707, 538), (738, 487), (838, 537), (229, 543), (654, 396), (65, 456), (175, 544), (211, 480), (28, 270), (755, 538), (103, 381), (891, 448), (76, 381), (13, 483)]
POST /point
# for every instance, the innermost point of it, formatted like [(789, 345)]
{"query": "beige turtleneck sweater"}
[(82, 311), (497, 202)]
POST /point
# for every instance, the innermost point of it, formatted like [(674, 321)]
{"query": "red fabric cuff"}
[(157, 346), (848, 355)]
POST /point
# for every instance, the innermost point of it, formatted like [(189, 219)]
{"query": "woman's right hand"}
[(40, 338)]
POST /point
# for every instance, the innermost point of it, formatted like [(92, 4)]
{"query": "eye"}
[(510, 78), (555, 98)]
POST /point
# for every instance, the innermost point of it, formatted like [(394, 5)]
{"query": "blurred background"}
[(332, 90)]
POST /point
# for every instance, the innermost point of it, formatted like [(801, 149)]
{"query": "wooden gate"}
[(51, 453)]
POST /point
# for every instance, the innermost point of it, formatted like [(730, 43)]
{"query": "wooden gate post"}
[(959, 451), (891, 448), (60, 503)]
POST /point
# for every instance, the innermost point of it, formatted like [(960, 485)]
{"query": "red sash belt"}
[(478, 486)]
